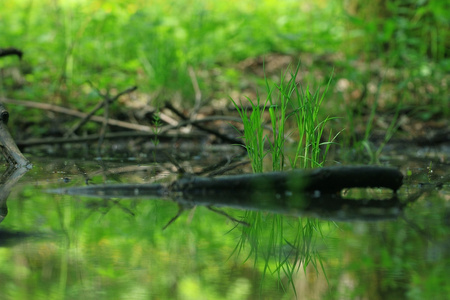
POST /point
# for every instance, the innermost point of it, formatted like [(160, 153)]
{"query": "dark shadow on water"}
[(9, 238)]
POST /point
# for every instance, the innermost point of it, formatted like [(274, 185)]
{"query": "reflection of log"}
[(324, 206), (8, 146), (116, 191), (298, 192), (7, 181), (9, 238)]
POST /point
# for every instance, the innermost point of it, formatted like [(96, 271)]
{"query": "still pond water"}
[(74, 247)]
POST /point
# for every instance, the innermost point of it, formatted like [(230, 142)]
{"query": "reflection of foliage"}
[(110, 255), (107, 252), (392, 260), (281, 246)]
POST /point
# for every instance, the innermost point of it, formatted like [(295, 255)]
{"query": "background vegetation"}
[(387, 52)]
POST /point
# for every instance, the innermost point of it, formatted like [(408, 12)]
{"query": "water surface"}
[(75, 247)]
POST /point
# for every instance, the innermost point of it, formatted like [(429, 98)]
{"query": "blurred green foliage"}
[(118, 44), (403, 32)]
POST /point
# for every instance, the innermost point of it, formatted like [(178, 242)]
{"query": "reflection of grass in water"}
[(284, 245)]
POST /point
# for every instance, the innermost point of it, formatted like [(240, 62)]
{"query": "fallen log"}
[(324, 180)]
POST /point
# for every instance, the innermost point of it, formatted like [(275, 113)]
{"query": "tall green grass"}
[(280, 244), (287, 104)]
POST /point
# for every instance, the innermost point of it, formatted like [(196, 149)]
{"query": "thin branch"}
[(106, 101), (76, 113), (180, 169), (228, 168), (198, 93), (95, 137), (113, 122), (104, 125), (181, 209), (203, 128), (221, 212)]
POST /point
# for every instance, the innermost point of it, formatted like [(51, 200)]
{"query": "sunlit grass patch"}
[(287, 105)]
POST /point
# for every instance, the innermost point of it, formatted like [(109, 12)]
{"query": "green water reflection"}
[(73, 247)]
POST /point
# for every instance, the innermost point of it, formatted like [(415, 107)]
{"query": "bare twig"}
[(113, 122), (203, 120), (221, 212), (76, 113), (228, 168), (95, 137), (181, 209), (180, 169), (104, 125), (203, 128), (106, 101), (198, 94)]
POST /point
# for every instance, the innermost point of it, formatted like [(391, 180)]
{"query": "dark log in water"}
[(324, 180)]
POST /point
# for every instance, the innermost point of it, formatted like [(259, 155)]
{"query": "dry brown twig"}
[(106, 100), (76, 113)]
